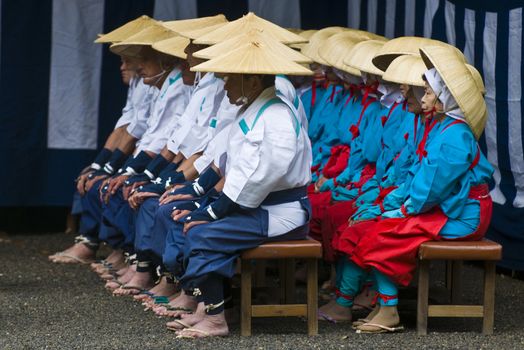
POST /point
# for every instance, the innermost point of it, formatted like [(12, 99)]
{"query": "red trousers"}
[(391, 245)]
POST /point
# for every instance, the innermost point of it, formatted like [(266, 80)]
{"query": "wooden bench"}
[(285, 251), (454, 253)]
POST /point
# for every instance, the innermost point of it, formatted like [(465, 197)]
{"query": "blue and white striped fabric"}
[(61, 94)]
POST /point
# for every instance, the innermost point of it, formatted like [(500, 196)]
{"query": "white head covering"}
[(436, 82), (347, 77), (390, 93)]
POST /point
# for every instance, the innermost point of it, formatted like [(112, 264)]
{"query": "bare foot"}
[(386, 316), (140, 281), (126, 277), (115, 257), (365, 299), (368, 318), (79, 253), (162, 288), (188, 320), (209, 326), (150, 304), (334, 312), (185, 303)]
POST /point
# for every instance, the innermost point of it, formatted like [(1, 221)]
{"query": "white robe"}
[(218, 132), (137, 108), (170, 103), (287, 92), (267, 154), (189, 134)]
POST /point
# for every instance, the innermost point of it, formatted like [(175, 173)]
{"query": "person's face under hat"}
[(430, 101), (412, 102), (238, 86), (149, 67), (128, 68), (187, 76)]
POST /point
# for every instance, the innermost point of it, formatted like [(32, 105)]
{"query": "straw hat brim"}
[(317, 40), (338, 47), (306, 34), (362, 54), (406, 45), (406, 69), (197, 33), (255, 35), (246, 24), (173, 46), (460, 82), (125, 31), (146, 37), (252, 58), (478, 78), (188, 25)]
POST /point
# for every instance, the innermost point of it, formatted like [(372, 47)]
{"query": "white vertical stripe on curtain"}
[(409, 21), (514, 104), (75, 74), (166, 10), (390, 18), (488, 65), (354, 13), (449, 12), (284, 13), (372, 15), (431, 9)]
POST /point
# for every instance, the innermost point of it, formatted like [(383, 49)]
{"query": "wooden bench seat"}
[(285, 251), (454, 252)]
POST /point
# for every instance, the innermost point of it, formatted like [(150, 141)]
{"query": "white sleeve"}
[(128, 110), (199, 134), (267, 152), (143, 98)]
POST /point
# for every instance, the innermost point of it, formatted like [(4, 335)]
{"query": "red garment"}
[(391, 245), (319, 203), (337, 162), (334, 216)]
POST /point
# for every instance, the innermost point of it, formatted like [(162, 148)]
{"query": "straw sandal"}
[(380, 329)]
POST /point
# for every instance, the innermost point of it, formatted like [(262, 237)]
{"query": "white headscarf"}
[(347, 77), (390, 93), (451, 107)]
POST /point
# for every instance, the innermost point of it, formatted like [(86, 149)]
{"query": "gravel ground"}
[(47, 306)]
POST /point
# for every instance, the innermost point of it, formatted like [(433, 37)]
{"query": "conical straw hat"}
[(306, 34), (295, 30), (147, 37), (123, 32), (364, 35), (197, 33), (406, 69), (252, 58), (185, 25), (460, 82), (253, 35), (337, 47), (403, 46), (478, 78), (173, 46), (317, 40), (245, 24), (362, 54)]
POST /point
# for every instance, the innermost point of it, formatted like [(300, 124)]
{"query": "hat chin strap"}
[(242, 100)]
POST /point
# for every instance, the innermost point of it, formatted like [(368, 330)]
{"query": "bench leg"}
[(456, 283), (489, 297), (312, 296), (422, 299), (290, 281), (245, 298)]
